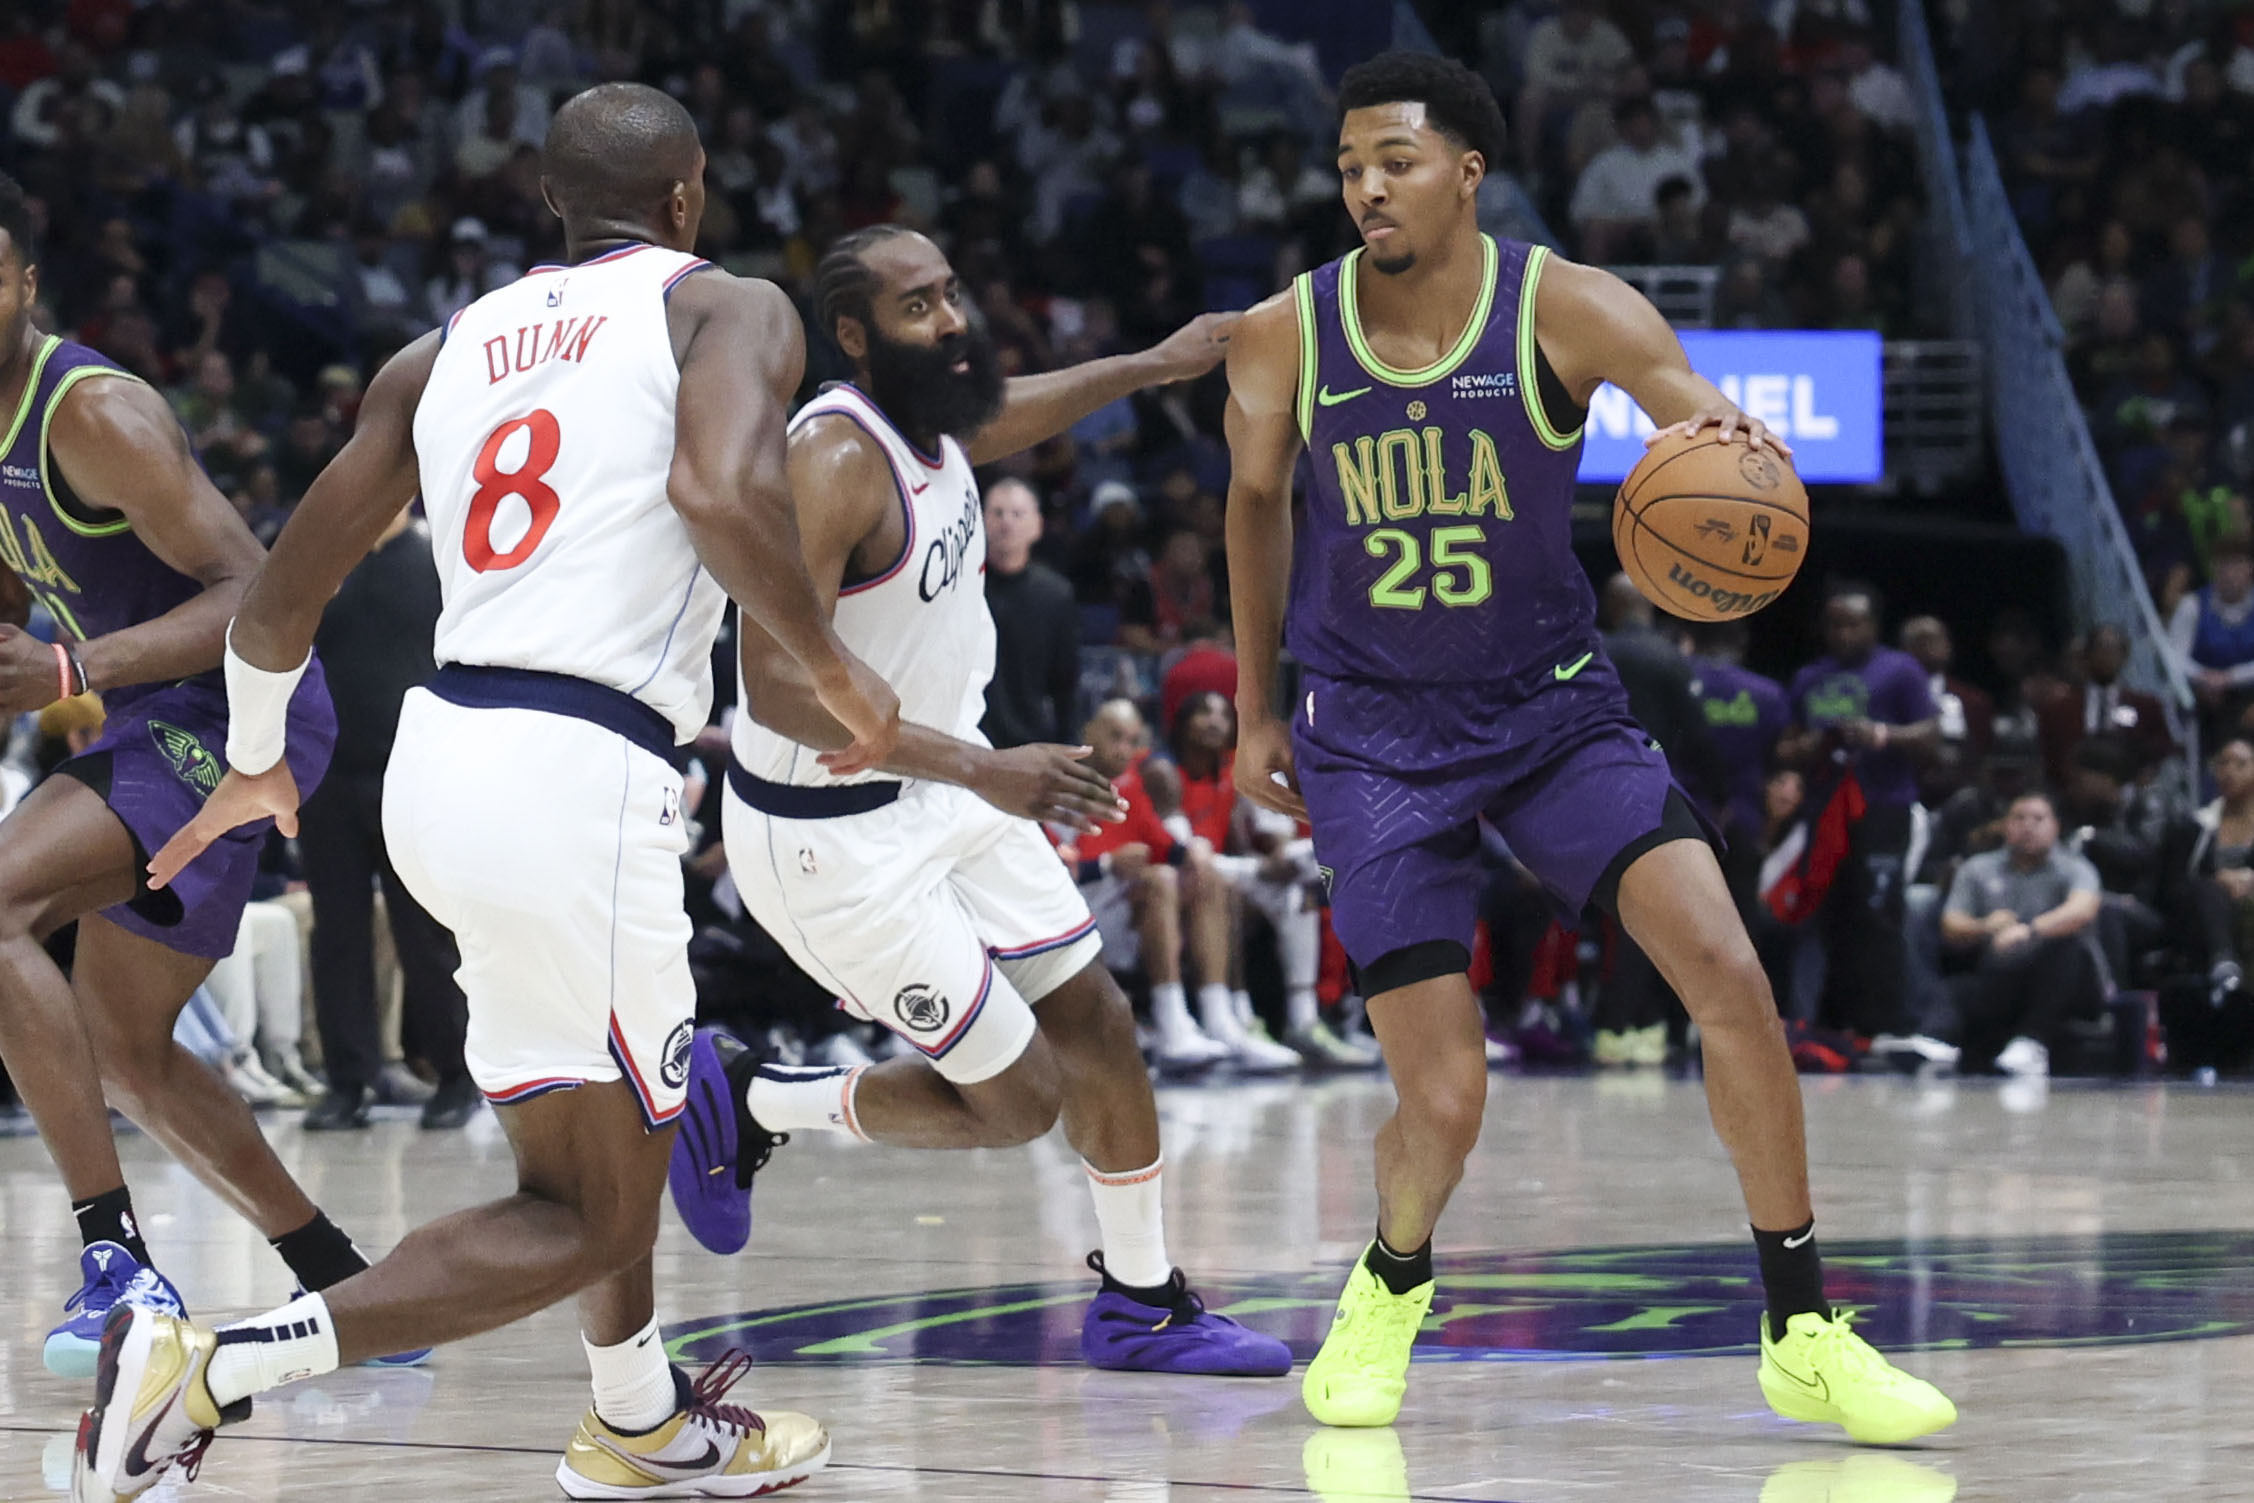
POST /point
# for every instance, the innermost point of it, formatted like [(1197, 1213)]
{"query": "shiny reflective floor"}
[(2075, 1266)]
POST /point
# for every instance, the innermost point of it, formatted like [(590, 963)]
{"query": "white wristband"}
[(258, 710)]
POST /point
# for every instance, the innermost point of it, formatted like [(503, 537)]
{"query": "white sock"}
[(299, 1340), (1301, 1008), (1241, 1000), (633, 1381), (1168, 1004), (1133, 1225), (806, 1098), (1216, 1008)]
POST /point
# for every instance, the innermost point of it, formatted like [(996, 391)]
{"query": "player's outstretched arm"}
[(121, 449), (1038, 408), (742, 353), (345, 510), (1595, 328), (1264, 443), (843, 493)]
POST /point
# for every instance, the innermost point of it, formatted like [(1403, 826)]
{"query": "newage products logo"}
[(1819, 392), (1484, 384)]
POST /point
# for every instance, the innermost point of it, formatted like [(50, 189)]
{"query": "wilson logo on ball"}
[(1721, 598)]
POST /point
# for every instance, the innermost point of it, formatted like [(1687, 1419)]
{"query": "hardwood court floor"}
[(2079, 1262)]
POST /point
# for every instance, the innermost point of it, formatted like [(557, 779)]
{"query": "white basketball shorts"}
[(936, 915), (552, 847)]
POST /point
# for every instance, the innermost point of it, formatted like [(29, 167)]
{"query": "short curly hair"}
[(15, 219), (1456, 100)]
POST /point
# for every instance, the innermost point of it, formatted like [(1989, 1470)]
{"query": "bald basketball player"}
[(600, 447)]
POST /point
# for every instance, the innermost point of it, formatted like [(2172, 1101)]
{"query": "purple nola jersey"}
[(1436, 546)]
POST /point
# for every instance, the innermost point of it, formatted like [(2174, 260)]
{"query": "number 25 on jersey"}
[(527, 482)]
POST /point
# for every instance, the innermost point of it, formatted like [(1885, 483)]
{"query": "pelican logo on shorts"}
[(1760, 471), (921, 1008), (191, 762), (1328, 876), (1756, 539), (675, 1071)]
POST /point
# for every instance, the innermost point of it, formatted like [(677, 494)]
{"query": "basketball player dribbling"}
[(1437, 380), (600, 448), (923, 893), (106, 518)]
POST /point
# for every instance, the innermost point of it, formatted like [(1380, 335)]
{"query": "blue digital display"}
[(1820, 391)]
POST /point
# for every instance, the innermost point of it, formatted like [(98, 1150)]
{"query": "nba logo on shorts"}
[(672, 809), (920, 1009), (675, 1071)]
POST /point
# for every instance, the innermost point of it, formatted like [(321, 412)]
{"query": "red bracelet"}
[(62, 668)]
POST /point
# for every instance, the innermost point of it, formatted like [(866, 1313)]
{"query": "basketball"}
[(1708, 530)]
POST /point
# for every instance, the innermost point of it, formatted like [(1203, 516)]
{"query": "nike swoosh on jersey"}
[(1565, 671), (1329, 398)]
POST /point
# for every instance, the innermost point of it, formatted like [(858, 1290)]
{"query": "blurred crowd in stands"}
[(252, 203)]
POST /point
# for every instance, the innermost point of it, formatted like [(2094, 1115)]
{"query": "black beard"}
[(1397, 265), (917, 386)]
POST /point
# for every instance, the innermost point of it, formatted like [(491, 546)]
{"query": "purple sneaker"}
[(1123, 1334), (720, 1146)]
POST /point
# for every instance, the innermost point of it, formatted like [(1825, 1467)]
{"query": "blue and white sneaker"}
[(415, 1358), (1122, 1334), (113, 1277)]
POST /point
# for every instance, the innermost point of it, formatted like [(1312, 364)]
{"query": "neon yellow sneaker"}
[(708, 1449), (1865, 1477), (1356, 1466), (1363, 1369), (1824, 1373)]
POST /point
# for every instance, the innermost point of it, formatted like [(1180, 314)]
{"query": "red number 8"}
[(524, 481)]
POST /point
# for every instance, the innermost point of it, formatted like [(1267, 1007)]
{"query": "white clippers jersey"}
[(544, 439), (922, 624)]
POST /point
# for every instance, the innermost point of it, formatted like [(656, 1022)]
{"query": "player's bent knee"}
[(1023, 1102), (1729, 987), (1447, 1109)]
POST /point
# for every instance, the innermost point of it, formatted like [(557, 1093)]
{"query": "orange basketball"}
[(1708, 530)]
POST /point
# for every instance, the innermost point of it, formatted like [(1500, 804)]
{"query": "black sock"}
[(1157, 1296), (1792, 1274), (108, 1217), (320, 1254), (1399, 1272)]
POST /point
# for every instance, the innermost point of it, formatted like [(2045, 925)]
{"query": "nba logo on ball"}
[(920, 1008), (675, 1071)]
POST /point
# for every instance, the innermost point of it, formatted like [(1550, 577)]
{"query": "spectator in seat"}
[(376, 638), (1136, 877), (1207, 665), (1967, 714), (1574, 55), (2212, 633), (2025, 914), (1616, 199), (1871, 706), (1036, 625), (2119, 826), (1178, 591), (2098, 703), (1681, 234), (2212, 880)]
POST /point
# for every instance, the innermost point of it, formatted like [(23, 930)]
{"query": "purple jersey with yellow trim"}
[(1436, 546), (83, 564)]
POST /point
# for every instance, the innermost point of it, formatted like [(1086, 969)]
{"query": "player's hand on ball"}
[(237, 801), (1050, 783), (1196, 347), (1733, 423), (865, 705), (1265, 771)]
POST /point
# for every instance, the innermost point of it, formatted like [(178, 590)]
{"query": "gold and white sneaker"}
[(152, 1408), (708, 1449)]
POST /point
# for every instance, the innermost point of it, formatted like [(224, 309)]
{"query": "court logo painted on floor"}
[(1670, 1301)]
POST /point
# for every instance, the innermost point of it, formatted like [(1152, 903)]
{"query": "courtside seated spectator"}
[(2025, 916)]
